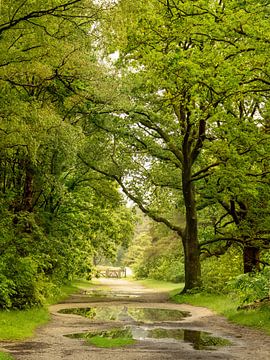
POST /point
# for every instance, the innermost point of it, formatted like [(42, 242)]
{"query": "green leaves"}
[(55, 215), (251, 287), (194, 100)]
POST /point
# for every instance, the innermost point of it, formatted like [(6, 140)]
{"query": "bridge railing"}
[(111, 272)]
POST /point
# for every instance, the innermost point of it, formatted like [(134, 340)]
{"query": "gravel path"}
[(51, 344)]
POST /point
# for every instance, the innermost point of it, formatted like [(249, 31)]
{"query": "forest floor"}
[(50, 343)]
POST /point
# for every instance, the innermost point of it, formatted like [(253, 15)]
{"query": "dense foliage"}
[(167, 100), (54, 216), (193, 115), (155, 252)]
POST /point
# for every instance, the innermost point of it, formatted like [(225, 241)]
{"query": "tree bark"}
[(27, 202), (251, 259), (190, 235)]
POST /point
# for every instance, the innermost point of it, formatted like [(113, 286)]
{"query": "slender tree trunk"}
[(28, 194)]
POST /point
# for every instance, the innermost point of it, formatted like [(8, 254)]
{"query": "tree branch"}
[(198, 173), (135, 199), (35, 14), (147, 121)]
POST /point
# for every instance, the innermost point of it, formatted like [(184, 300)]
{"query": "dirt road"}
[(51, 344)]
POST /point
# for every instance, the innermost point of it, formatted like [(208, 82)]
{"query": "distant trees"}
[(155, 252)]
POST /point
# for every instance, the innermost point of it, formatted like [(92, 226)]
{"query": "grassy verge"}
[(225, 305), (21, 324), (94, 283), (5, 356), (65, 292), (158, 284)]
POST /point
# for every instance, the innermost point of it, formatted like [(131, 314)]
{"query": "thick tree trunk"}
[(192, 263), (190, 236), (251, 259)]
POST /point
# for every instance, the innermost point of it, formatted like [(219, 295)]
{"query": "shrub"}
[(253, 286), (22, 284), (218, 271)]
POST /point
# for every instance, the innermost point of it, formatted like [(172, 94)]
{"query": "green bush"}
[(252, 286), (6, 291), (217, 272), (155, 252), (168, 269), (22, 284), (158, 267)]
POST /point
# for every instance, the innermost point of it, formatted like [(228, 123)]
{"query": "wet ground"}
[(159, 330)]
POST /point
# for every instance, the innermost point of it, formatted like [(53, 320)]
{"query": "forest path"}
[(51, 344)]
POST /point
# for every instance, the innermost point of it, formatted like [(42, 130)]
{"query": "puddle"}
[(157, 315), (199, 340), (124, 313), (106, 294), (97, 293), (123, 295)]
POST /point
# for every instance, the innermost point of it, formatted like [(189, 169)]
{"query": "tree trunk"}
[(251, 259), (192, 262), (190, 236), (28, 194)]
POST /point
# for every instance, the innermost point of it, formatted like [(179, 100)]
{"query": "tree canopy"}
[(54, 216), (167, 100), (192, 111)]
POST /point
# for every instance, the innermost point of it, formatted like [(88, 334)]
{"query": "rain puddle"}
[(97, 293), (199, 340), (124, 313), (106, 294)]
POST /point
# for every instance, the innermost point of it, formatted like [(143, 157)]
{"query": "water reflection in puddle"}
[(198, 339), (124, 313), (106, 294)]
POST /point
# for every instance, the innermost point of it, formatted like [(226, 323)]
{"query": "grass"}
[(257, 318), (222, 304), (21, 324), (81, 283), (158, 284), (85, 284), (65, 292), (227, 305), (5, 356), (104, 342)]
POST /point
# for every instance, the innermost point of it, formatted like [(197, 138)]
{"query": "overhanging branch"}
[(136, 200)]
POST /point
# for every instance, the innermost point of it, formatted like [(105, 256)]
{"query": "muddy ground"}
[(51, 344)]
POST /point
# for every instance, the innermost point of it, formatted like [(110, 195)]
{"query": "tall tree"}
[(240, 187), (181, 63)]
